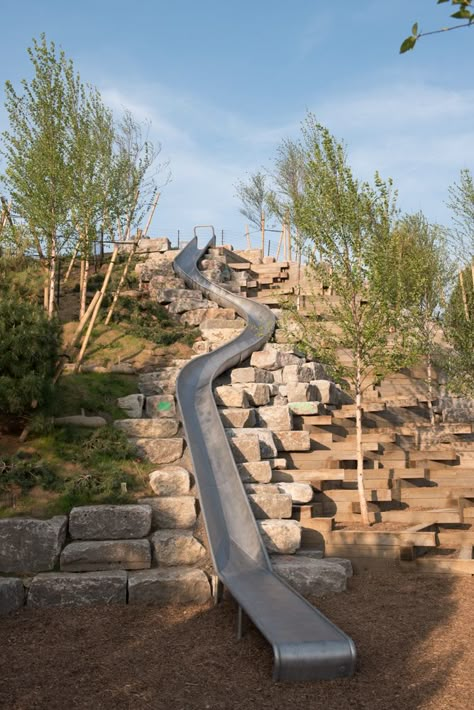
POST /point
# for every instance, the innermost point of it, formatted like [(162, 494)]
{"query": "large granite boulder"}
[(12, 595), (265, 438), (280, 536), (64, 589), (102, 555), (170, 481), (168, 585), (268, 505), (162, 381), (267, 360), (230, 397), (277, 418), (309, 576), (235, 417), (148, 428), (176, 548), (28, 546), (109, 522), (292, 440), (245, 448), (173, 512), (299, 493), (160, 451), (160, 406), (255, 472), (246, 375), (132, 405)]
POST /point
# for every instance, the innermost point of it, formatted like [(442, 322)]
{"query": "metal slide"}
[(306, 645)]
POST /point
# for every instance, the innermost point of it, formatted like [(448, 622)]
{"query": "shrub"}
[(25, 472), (29, 349)]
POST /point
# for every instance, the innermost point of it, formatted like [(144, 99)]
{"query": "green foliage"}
[(151, 321), (459, 332), (29, 349), (348, 224), (26, 472), (255, 198), (21, 277), (461, 203), (463, 13), (94, 392)]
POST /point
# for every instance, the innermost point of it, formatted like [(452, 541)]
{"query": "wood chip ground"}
[(413, 635)]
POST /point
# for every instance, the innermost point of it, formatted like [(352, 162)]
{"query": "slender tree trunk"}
[(71, 264), (52, 277), (84, 283), (429, 380), (262, 227), (360, 454), (463, 293), (95, 312)]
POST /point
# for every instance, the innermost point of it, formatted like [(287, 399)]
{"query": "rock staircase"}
[(293, 434)]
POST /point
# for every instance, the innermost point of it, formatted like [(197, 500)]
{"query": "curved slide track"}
[(306, 645)]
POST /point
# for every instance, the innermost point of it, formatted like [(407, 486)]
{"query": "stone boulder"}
[(168, 585), (344, 563), (160, 451), (309, 576), (267, 360), (277, 418), (245, 448), (190, 303), (292, 440), (132, 405), (327, 392), (160, 406), (148, 428), (265, 437), (170, 481), (280, 536), (267, 505), (230, 397), (239, 418), (109, 522), (176, 548), (174, 512), (301, 392), (158, 382), (256, 472), (28, 546), (12, 595), (299, 493), (245, 375), (258, 393), (103, 555), (64, 589)]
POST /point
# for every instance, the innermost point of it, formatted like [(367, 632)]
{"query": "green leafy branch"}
[(463, 13)]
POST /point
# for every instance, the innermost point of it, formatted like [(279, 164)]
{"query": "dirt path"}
[(413, 634)]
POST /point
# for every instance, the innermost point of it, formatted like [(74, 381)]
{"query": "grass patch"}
[(95, 393), (71, 466), (149, 320)]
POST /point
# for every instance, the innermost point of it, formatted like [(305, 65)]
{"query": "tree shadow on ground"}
[(412, 635)]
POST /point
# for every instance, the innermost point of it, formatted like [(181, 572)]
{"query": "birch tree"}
[(37, 151), (349, 224)]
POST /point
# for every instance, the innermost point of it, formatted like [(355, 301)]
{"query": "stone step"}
[(175, 548), (168, 585), (103, 555), (280, 536), (310, 576), (270, 506), (78, 589)]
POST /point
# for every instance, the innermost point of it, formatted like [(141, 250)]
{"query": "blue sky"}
[(224, 82)]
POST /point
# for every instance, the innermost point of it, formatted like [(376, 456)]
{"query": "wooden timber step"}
[(435, 562), (307, 475), (434, 455), (428, 516), (344, 495), (455, 538)]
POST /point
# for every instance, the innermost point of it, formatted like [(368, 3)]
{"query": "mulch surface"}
[(413, 635)]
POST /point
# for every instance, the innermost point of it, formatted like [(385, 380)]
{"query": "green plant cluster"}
[(29, 350), (151, 321), (26, 471)]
